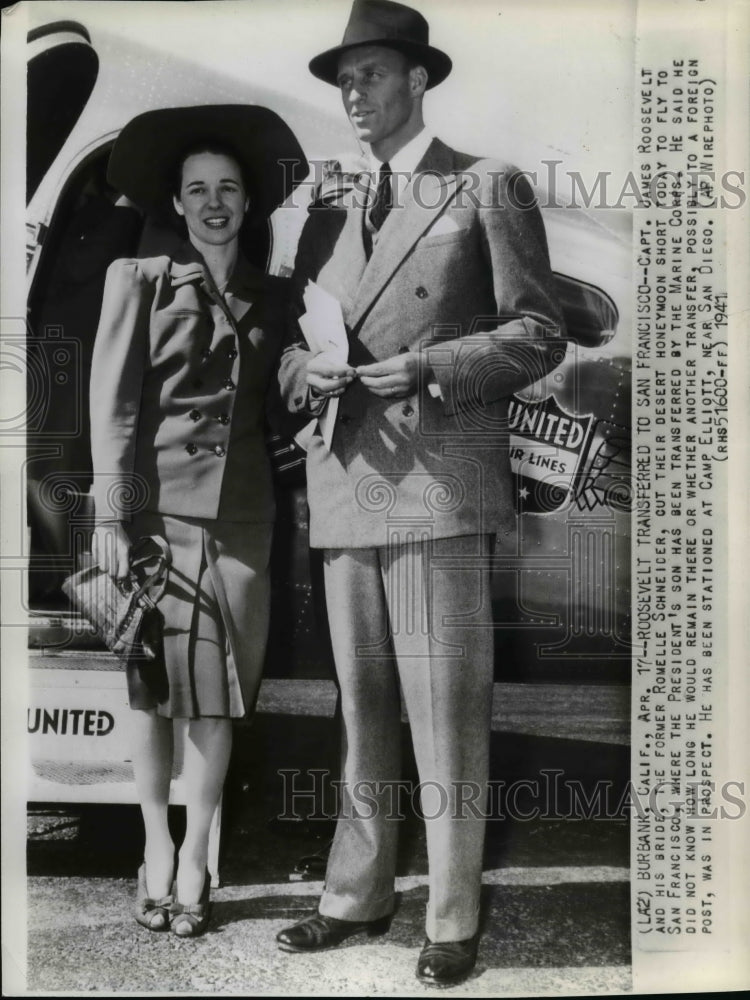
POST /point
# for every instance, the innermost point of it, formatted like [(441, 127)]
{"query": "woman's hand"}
[(110, 548)]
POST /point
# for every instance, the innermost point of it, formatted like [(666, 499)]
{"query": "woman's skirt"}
[(215, 609)]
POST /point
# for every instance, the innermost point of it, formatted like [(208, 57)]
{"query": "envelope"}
[(322, 325)]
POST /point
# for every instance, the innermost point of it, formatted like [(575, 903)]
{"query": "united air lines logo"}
[(548, 446)]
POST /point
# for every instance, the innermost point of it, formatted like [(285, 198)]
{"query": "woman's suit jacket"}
[(178, 390), (460, 264)]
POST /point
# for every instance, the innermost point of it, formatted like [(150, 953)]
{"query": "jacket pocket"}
[(168, 314), (441, 239)]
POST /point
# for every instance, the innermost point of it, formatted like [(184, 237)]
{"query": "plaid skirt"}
[(215, 609)]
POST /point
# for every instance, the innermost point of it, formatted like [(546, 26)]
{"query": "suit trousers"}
[(416, 612)]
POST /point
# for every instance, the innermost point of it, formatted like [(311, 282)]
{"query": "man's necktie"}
[(383, 201)]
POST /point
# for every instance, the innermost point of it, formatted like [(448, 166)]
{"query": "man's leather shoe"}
[(446, 963), (316, 933)]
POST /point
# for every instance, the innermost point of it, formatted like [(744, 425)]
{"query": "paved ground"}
[(555, 906)]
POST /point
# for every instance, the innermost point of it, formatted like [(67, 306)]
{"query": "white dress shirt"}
[(403, 163)]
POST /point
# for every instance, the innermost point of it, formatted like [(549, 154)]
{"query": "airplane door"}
[(62, 70)]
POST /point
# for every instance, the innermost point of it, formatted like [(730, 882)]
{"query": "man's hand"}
[(327, 375), (395, 377), (110, 548)]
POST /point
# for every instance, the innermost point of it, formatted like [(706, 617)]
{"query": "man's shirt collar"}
[(405, 161)]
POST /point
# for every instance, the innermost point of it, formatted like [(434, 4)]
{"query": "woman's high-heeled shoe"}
[(151, 913), (191, 919)]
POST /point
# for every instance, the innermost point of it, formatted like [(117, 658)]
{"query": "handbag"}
[(124, 613)]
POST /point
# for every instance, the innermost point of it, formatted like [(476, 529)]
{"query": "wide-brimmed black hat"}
[(381, 22), (146, 154)]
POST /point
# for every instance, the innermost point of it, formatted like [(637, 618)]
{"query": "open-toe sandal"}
[(191, 919), (152, 913)]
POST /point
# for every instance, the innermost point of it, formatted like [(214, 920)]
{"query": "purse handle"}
[(162, 566)]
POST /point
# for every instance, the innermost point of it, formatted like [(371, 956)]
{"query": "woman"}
[(184, 355)]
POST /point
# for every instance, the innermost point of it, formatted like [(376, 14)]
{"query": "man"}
[(444, 282)]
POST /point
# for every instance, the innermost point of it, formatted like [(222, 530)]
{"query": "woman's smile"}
[(212, 200), (217, 221)]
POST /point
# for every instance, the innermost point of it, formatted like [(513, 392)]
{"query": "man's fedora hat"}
[(145, 156), (381, 22)]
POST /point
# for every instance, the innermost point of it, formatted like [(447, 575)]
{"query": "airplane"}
[(561, 597)]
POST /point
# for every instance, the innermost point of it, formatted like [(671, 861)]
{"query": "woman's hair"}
[(219, 148)]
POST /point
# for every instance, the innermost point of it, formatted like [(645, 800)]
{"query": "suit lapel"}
[(350, 262), (184, 272), (245, 286), (433, 187)]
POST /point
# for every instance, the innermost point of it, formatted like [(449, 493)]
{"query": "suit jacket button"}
[(219, 451), (231, 354), (195, 414), (191, 448), (407, 409), (206, 354), (421, 292), (344, 418), (223, 419), (228, 384)]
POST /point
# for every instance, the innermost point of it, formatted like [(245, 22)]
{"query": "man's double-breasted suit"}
[(409, 497)]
